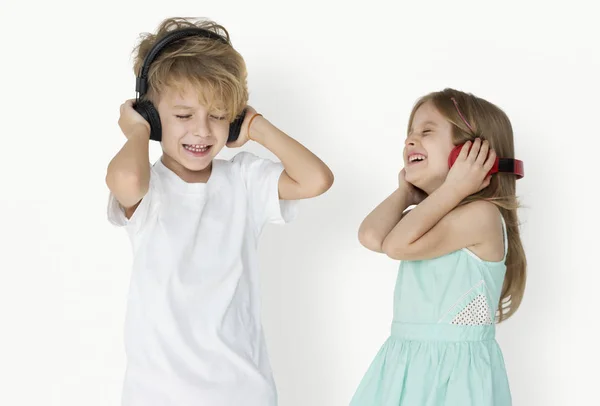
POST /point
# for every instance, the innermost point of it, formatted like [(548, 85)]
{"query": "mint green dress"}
[(442, 348)]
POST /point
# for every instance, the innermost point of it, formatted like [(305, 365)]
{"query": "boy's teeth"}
[(196, 148)]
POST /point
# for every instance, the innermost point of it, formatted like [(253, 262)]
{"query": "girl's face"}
[(427, 148)]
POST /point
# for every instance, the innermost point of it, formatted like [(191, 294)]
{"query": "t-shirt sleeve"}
[(142, 214), (261, 178)]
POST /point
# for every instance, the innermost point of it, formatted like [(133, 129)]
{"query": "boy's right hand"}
[(415, 195), (131, 122)]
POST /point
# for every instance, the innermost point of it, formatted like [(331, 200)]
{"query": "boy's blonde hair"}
[(214, 69), (489, 122)]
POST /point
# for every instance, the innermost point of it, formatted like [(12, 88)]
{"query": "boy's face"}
[(191, 134)]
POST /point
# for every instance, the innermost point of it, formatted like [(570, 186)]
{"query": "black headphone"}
[(145, 107)]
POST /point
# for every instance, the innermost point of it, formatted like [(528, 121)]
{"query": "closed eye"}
[(185, 117)]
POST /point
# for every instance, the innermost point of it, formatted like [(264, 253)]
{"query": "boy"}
[(193, 330)]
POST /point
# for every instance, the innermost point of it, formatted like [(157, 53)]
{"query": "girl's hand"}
[(415, 195), (245, 132), (469, 174), (131, 121)]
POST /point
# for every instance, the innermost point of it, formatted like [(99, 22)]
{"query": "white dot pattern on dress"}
[(477, 313)]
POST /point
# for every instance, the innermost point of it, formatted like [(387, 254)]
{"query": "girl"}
[(463, 264)]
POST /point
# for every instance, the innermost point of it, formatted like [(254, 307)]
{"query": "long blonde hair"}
[(489, 122), (215, 69)]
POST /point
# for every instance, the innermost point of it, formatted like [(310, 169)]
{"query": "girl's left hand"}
[(469, 174), (415, 195), (244, 135)]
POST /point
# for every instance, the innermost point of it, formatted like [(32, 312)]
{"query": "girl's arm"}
[(378, 224), (436, 227)]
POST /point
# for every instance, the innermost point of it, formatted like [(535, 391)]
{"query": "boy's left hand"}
[(244, 136), (469, 174)]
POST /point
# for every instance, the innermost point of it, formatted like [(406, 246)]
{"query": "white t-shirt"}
[(193, 335)]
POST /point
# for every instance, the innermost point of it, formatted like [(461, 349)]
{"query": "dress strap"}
[(505, 234)]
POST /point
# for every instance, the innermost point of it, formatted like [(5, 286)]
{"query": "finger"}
[(491, 160), (475, 150), (483, 153), (464, 151), (487, 181)]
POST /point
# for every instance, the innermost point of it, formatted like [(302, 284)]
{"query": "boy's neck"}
[(186, 174)]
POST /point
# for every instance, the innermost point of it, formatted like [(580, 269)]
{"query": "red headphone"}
[(504, 165)]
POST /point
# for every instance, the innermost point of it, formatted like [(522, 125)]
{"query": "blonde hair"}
[(489, 122), (214, 69)]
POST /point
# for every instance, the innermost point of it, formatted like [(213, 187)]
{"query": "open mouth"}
[(415, 158), (197, 149)]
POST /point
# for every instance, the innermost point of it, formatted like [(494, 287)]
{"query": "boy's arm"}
[(305, 175), (128, 173)]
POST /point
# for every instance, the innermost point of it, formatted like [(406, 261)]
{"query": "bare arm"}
[(305, 175), (378, 224), (436, 226), (128, 173)]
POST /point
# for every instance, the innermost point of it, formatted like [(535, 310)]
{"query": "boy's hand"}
[(131, 122), (245, 131)]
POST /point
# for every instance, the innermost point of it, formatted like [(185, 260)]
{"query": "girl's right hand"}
[(415, 195), (131, 121)]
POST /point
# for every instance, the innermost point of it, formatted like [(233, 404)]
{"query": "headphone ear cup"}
[(236, 127), (146, 109)]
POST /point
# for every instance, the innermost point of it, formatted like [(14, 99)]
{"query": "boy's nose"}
[(201, 128)]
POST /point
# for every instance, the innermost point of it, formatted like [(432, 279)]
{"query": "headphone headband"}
[(141, 82), (509, 165), (145, 107), (501, 165)]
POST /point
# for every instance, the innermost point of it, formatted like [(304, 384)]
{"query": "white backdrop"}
[(341, 79)]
